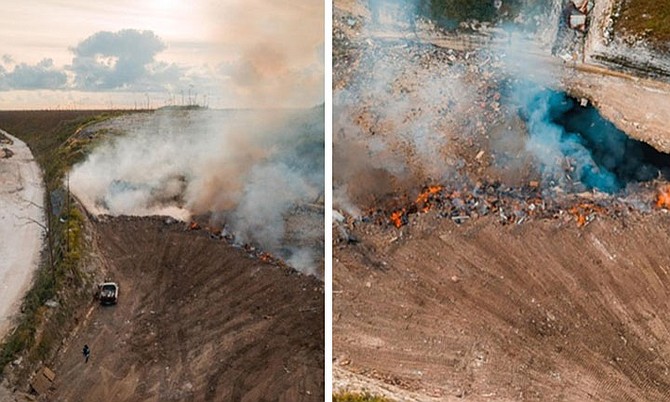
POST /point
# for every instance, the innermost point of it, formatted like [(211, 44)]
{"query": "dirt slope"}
[(539, 311), (197, 320)]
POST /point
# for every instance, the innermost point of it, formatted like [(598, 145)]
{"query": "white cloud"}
[(205, 46), (42, 75), (119, 60)]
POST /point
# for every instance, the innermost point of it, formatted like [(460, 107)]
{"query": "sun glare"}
[(165, 5)]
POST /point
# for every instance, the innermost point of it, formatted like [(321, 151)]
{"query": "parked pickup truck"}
[(108, 292)]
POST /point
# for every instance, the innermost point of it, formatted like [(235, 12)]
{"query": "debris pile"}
[(424, 202), (510, 205), (216, 233), (585, 213), (519, 205), (442, 105)]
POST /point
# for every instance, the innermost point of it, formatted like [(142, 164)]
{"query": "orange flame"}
[(426, 193), (424, 197), (194, 226), (397, 217), (266, 257), (663, 197), (584, 210), (422, 203)]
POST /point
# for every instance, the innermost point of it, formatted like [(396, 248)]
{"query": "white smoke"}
[(244, 169), (401, 106)]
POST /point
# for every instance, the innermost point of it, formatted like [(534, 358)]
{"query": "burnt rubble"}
[(518, 205), (198, 227), (475, 122), (222, 234)]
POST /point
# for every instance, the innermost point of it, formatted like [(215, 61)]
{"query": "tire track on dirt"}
[(535, 311), (196, 320)]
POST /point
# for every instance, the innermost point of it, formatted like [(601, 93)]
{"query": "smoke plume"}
[(408, 111), (274, 51), (393, 121), (246, 170), (578, 149)]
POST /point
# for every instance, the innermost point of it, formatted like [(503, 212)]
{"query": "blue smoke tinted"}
[(577, 142)]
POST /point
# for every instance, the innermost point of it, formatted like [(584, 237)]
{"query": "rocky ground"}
[(609, 43)]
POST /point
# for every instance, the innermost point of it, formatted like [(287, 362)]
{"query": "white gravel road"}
[(21, 200)]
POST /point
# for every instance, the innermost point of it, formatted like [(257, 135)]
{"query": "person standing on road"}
[(87, 352)]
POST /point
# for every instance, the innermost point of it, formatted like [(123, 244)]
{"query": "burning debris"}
[(585, 213), (424, 202), (663, 197), (512, 206), (519, 205), (492, 114), (218, 233)]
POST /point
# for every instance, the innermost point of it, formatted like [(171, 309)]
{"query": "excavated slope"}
[(538, 311), (197, 320)]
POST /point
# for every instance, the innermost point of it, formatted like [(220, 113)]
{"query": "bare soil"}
[(197, 320), (540, 311)]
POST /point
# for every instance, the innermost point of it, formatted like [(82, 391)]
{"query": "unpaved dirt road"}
[(539, 311), (21, 214), (197, 320)]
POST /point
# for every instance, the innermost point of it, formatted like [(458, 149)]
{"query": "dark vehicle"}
[(108, 293)]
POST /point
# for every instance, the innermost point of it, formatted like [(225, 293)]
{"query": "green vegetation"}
[(358, 397), (450, 13), (50, 136), (646, 18)]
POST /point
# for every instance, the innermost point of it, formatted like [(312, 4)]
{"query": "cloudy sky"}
[(127, 53)]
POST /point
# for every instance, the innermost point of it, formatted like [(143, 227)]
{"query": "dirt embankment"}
[(634, 86), (539, 311), (197, 320)]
